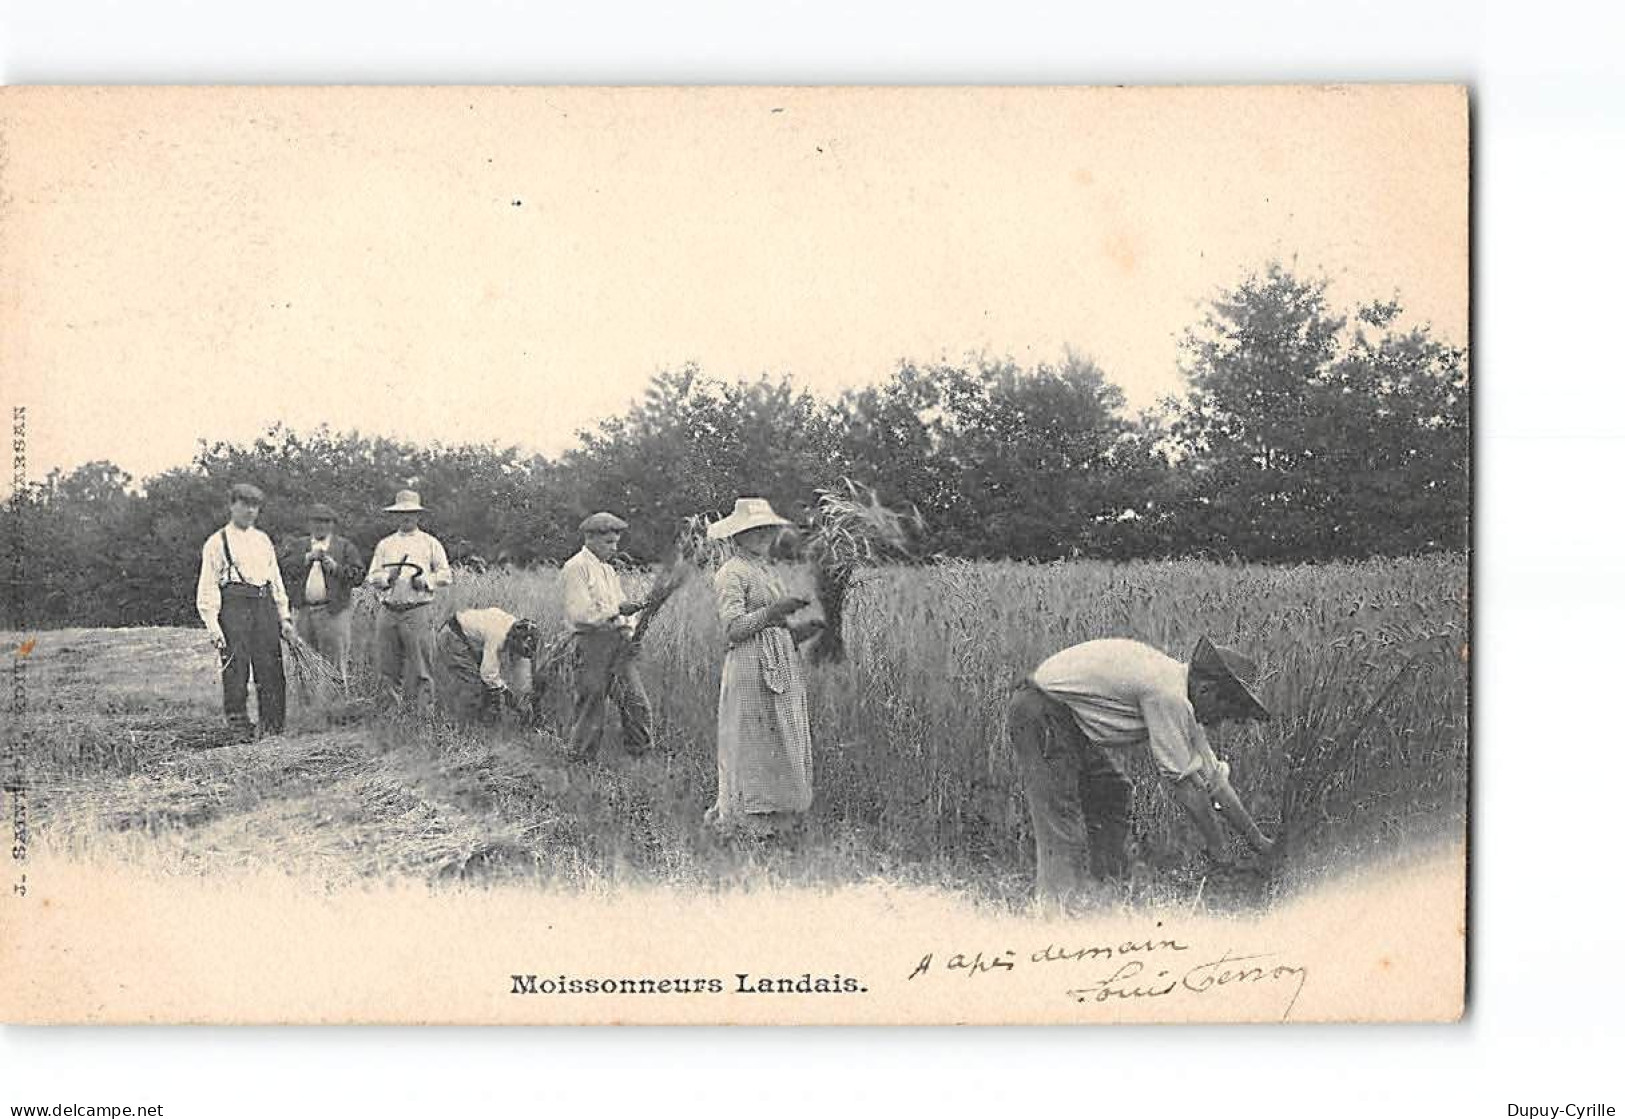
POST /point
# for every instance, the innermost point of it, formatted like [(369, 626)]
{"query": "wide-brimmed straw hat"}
[(406, 501), (749, 512), (1236, 669)]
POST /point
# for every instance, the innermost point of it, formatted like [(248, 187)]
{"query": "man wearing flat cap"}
[(244, 606), (323, 570), (606, 663), (408, 567), (1084, 704)]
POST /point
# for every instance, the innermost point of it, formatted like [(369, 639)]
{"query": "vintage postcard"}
[(735, 555)]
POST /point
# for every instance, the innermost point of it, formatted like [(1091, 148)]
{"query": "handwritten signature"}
[(1134, 981), (1141, 976)]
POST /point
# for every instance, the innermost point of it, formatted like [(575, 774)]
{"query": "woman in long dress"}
[(764, 745)]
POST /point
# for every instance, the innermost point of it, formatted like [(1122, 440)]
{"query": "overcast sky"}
[(512, 265)]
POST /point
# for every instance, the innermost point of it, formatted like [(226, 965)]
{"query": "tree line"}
[(1304, 434)]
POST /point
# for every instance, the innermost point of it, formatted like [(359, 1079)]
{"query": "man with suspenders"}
[(244, 606)]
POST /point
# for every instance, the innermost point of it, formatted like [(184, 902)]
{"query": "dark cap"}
[(603, 522), (243, 491), (320, 512), (523, 637)]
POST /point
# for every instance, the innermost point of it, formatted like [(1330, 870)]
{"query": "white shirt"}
[(1124, 693), (316, 581), (592, 593), (486, 630), (253, 561), (410, 547)]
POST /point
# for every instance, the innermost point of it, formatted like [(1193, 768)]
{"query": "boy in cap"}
[(408, 566), (244, 606), (1100, 696), (606, 663), (325, 568), (486, 655)]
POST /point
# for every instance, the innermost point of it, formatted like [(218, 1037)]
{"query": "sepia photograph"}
[(806, 555)]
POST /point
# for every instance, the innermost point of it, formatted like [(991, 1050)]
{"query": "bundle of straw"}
[(850, 529), (317, 679), (552, 679), (694, 544), (671, 577)]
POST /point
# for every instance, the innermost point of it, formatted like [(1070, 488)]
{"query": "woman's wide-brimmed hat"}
[(406, 501), (749, 512), (1237, 669)]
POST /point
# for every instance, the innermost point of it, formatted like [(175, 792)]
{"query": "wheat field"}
[(1365, 668)]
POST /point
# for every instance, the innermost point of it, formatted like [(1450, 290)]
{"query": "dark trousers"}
[(253, 648), (465, 697), (606, 670), (1076, 792)]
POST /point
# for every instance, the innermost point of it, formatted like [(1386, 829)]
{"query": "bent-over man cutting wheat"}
[(1084, 703), (486, 654)]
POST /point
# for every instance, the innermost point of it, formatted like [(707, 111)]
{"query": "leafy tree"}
[(692, 445), (71, 529), (1305, 434), (891, 438), (1305, 437), (1004, 461)]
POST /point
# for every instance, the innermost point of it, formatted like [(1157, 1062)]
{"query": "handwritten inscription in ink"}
[(1154, 967)]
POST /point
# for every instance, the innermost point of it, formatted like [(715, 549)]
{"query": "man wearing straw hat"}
[(408, 566), (324, 570), (244, 606), (606, 662), (1086, 702)]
